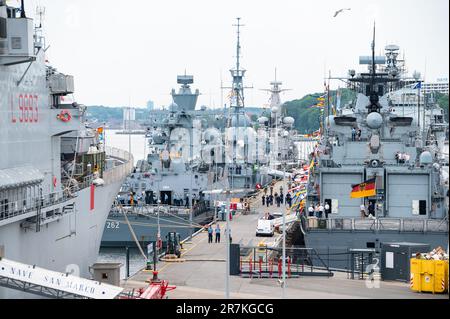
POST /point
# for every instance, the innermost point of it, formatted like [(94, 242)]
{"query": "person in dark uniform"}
[(217, 231), (210, 234), (288, 200)]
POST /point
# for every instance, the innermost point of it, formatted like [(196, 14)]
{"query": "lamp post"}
[(283, 284), (227, 279), (191, 199), (158, 237)]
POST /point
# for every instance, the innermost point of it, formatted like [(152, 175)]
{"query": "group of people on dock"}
[(319, 210), (278, 199), (215, 231)]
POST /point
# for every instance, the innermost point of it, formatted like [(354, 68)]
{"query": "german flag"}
[(365, 189)]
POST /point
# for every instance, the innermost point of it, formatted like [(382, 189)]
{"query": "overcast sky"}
[(122, 51)]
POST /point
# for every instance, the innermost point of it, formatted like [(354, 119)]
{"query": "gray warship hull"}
[(117, 233), (69, 243), (378, 170), (55, 191), (334, 245)]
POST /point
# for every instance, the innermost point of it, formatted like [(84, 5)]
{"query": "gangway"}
[(52, 284)]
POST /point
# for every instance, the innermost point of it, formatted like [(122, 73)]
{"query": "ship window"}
[(16, 43), (422, 207), (3, 28), (370, 245)]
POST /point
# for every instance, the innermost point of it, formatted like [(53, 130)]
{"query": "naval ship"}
[(255, 156), (57, 180), (165, 187), (191, 154), (399, 145)]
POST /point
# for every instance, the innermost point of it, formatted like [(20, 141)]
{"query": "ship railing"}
[(150, 210), (123, 166), (27, 205), (383, 224), (153, 209)]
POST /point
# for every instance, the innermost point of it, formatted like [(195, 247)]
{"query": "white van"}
[(265, 228)]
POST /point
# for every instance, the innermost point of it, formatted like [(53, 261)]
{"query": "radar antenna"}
[(237, 94), (373, 56), (22, 9), (40, 11)]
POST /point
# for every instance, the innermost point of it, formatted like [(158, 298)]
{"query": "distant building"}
[(440, 85), (150, 105)]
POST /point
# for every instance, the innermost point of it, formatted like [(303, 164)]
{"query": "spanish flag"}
[(365, 189)]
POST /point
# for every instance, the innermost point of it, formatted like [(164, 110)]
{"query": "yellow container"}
[(429, 275)]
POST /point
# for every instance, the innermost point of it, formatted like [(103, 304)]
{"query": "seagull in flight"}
[(339, 11)]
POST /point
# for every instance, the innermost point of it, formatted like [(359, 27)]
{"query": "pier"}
[(201, 273)]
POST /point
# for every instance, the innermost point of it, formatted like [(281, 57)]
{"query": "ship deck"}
[(202, 274)]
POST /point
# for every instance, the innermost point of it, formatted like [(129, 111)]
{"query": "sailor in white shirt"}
[(363, 210), (327, 210), (320, 210), (311, 211)]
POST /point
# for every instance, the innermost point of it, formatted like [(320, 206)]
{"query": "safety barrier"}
[(266, 262), (383, 224)]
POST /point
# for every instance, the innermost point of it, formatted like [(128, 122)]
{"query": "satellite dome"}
[(262, 120), (374, 120), (288, 120), (274, 109), (426, 158), (285, 133)]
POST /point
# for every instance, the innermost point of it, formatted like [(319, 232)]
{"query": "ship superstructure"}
[(377, 137), (184, 159), (57, 180), (281, 148), (192, 152)]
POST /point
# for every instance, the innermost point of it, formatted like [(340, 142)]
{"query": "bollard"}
[(155, 278)]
